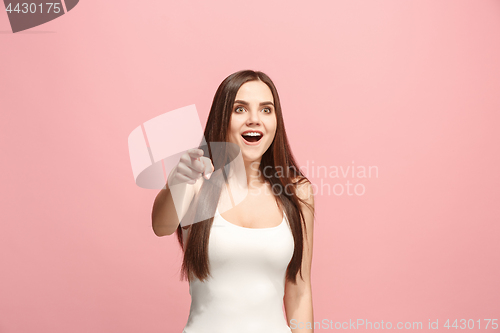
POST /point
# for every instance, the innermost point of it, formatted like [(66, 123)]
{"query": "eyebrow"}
[(246, 103)]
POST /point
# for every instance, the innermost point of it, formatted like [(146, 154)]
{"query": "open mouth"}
[(252, 137)]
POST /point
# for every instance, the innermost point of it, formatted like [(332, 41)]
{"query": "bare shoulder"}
[(304, 189)]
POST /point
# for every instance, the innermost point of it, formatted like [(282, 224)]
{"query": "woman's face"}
[(253, 113)]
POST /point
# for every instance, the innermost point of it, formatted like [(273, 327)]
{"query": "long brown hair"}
[(276, 159)]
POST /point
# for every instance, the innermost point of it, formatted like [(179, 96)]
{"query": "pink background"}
[(410, 87)]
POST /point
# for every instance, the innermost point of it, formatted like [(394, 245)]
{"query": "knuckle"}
[(198, 166)]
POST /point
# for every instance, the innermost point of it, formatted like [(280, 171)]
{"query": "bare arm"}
[(164, 215), (171, 204), (298, 297)]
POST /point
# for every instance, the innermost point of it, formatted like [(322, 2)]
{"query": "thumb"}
[(209, 168)]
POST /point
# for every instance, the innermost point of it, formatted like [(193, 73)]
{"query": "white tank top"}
[(246, 289)]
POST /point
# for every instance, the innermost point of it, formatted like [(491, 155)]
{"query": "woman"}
[(259, 257)]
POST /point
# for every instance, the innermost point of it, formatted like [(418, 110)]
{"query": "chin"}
[(247, 158), (251, 157)]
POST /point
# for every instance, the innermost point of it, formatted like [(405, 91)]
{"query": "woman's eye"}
[(266, 110)]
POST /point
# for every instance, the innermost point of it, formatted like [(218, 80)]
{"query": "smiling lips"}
[(252, 137)]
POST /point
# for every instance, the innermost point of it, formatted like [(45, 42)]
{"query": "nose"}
[(253, 118)]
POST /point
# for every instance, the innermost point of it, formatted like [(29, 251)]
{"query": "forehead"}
[(254, 91)]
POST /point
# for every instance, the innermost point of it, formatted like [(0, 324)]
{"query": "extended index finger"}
[(195, 153)]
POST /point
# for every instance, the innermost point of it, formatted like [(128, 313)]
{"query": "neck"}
[(255, 178)]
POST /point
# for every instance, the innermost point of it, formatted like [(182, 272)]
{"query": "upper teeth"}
[(252, 134)]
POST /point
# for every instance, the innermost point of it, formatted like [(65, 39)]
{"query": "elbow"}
[(161, 232), (159, 227)]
